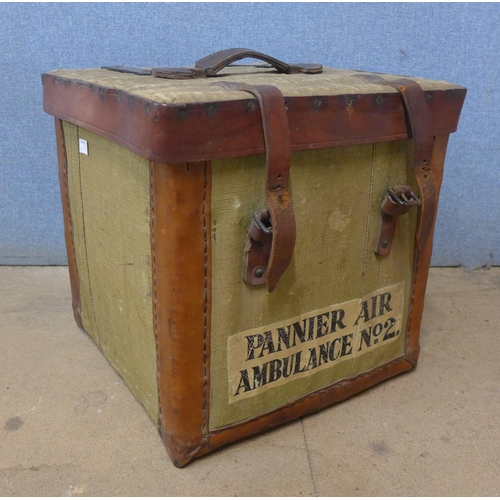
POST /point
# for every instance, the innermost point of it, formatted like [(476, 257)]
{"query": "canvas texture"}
[(165, 91), (110, 210), (336, 196)]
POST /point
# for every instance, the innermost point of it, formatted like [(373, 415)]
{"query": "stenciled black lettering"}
[(288, 365), (310, 335), (363, 313), (252, 345), (377, 330), (331, 352), (390, 323), (366, 337), (385, 299), (323, 353), (322, 328), (298, 369), (244, 382), (313, 359), (337, 317), (346, 345), (268, 345), (274, 370), (299, 331), (284, 337), (259, 375)]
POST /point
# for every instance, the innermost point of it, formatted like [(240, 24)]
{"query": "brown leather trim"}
[(423, 253), (68, 224), (305, 405), (199, 132), (181, 262)]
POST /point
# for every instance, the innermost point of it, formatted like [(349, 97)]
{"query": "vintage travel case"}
[(248, 244)]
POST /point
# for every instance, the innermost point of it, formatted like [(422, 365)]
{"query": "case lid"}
[(178, 120)]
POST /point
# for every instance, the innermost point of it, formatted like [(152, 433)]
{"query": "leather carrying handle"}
[(212, 64)]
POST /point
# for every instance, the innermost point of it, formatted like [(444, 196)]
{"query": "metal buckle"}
[(407, 197), (263, 221)]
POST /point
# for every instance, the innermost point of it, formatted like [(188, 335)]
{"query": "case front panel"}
[(338, 310)]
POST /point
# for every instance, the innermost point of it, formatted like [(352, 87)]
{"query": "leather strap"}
[(278, 155), (420, 128), (212, 64)]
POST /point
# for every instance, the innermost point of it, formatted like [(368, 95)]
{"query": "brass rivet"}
[(317, 103), (182, 113), (348, 100), (211, 110), (380, 99), (259, 271), (385, 243), (251, 106), (428, 96)]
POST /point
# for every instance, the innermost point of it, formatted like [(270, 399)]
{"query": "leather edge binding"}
[(180, 197), (207, 131)]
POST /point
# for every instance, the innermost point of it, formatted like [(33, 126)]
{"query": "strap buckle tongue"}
[(404, 196)]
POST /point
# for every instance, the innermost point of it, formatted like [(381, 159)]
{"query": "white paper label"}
[(83, 147), (273, 355)]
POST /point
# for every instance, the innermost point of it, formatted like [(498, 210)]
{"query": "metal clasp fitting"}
[(260, 239), (397, 201)]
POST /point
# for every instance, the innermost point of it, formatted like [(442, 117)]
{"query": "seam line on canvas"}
[(155, 294), (68, 204), (84, 231)]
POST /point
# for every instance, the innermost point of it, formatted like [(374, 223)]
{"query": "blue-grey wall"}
[(455, 42)]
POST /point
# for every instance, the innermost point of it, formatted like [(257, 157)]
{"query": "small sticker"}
[(83, 146)]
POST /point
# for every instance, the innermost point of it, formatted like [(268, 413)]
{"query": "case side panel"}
[(109, 200), (180, 201)]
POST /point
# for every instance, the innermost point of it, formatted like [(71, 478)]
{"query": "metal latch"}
[(259, 240), (397, 201)]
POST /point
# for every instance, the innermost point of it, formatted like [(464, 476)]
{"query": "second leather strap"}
[(278, 154)]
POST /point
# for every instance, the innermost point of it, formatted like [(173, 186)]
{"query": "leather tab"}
[(278, 155), (129, 69), (179, 73)]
